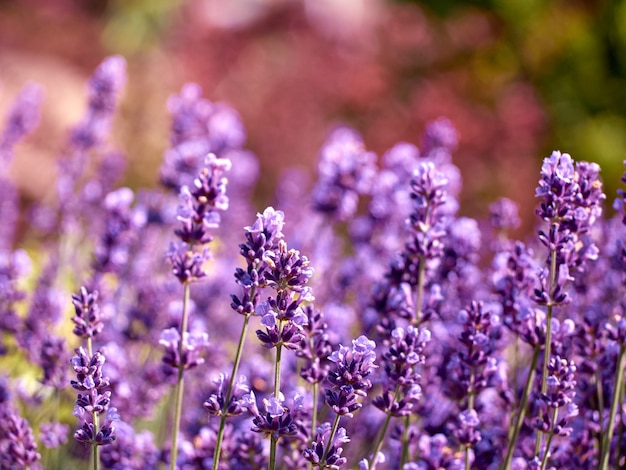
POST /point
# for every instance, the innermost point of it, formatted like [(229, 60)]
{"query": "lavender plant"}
[(433, 343)]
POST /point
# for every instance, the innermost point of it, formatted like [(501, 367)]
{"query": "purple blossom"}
[(276, 421), (22, 119), (324, 454), (53, 435), (186, 356), (88, 320), (346, 171), (17, 443), (103, 90), (353, 366)]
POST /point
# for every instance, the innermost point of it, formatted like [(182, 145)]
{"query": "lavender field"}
[(358, 322)]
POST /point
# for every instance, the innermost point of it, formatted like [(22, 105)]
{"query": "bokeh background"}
[(517, 78)]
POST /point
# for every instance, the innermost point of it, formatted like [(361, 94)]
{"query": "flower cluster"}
[(198, 214), (432, 381), (93, 399)]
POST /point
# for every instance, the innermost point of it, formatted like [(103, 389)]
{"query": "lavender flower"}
[(276, 421), (22, 119), (121, 224), (326, 454), (401, 390), (88, 321), (93, 399), (187, 355), (346, 170), (17, 443), (349, 381), (103, 89), (53, 435)]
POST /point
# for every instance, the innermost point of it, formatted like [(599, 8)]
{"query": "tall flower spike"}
[(103, 89), (22, 119), (88, 322), (93, 400), (346, 171)]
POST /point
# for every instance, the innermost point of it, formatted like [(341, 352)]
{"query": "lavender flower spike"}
[(21, 120)]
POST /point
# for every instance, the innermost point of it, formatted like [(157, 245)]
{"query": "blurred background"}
[(517, 78)]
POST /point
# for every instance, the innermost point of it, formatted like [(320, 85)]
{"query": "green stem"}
[(421, 273), (383, 432), (405, 441), (470, 407), (419, 299), (548, 346), (608, 435), (546, 453), (180, 385), (620, 432), (277, 370), (274, 440), (272, 462), (96, 450), (330, 441), (522, 408), (599, 392), (314, 412), (229, 392)]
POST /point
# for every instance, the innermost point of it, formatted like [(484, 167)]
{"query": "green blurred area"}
[(574, 54)]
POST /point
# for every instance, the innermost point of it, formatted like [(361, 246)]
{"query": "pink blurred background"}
[(292, 69)]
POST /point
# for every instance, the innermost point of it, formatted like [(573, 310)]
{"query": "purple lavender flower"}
[(475, 364), (13, 266), (130, 450), (346, 170), (21, 120), (193, 345), (199, 127), (17, 443), (353, 366), (324, 454), (466, 431), (401, 391), (88, 321), (316, 347), (276, 421), (216, 403), (112, 250), (103, 89), (199, 208), (439, 135), (287, 273), (53, 434), (93, 399), (503, 214)]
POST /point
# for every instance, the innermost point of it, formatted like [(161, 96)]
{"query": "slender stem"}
[(546, 453), (330, 440), (599, 391), (96, 449), (470, 407), (608, 435), (522, 408), (274, 440), (404, 458), (277, 370), (180, 385), (421, 273), (229, 392), (419, 299), (548, 346), (272, 462), (383, 432), (620, 432), (316, 387)]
